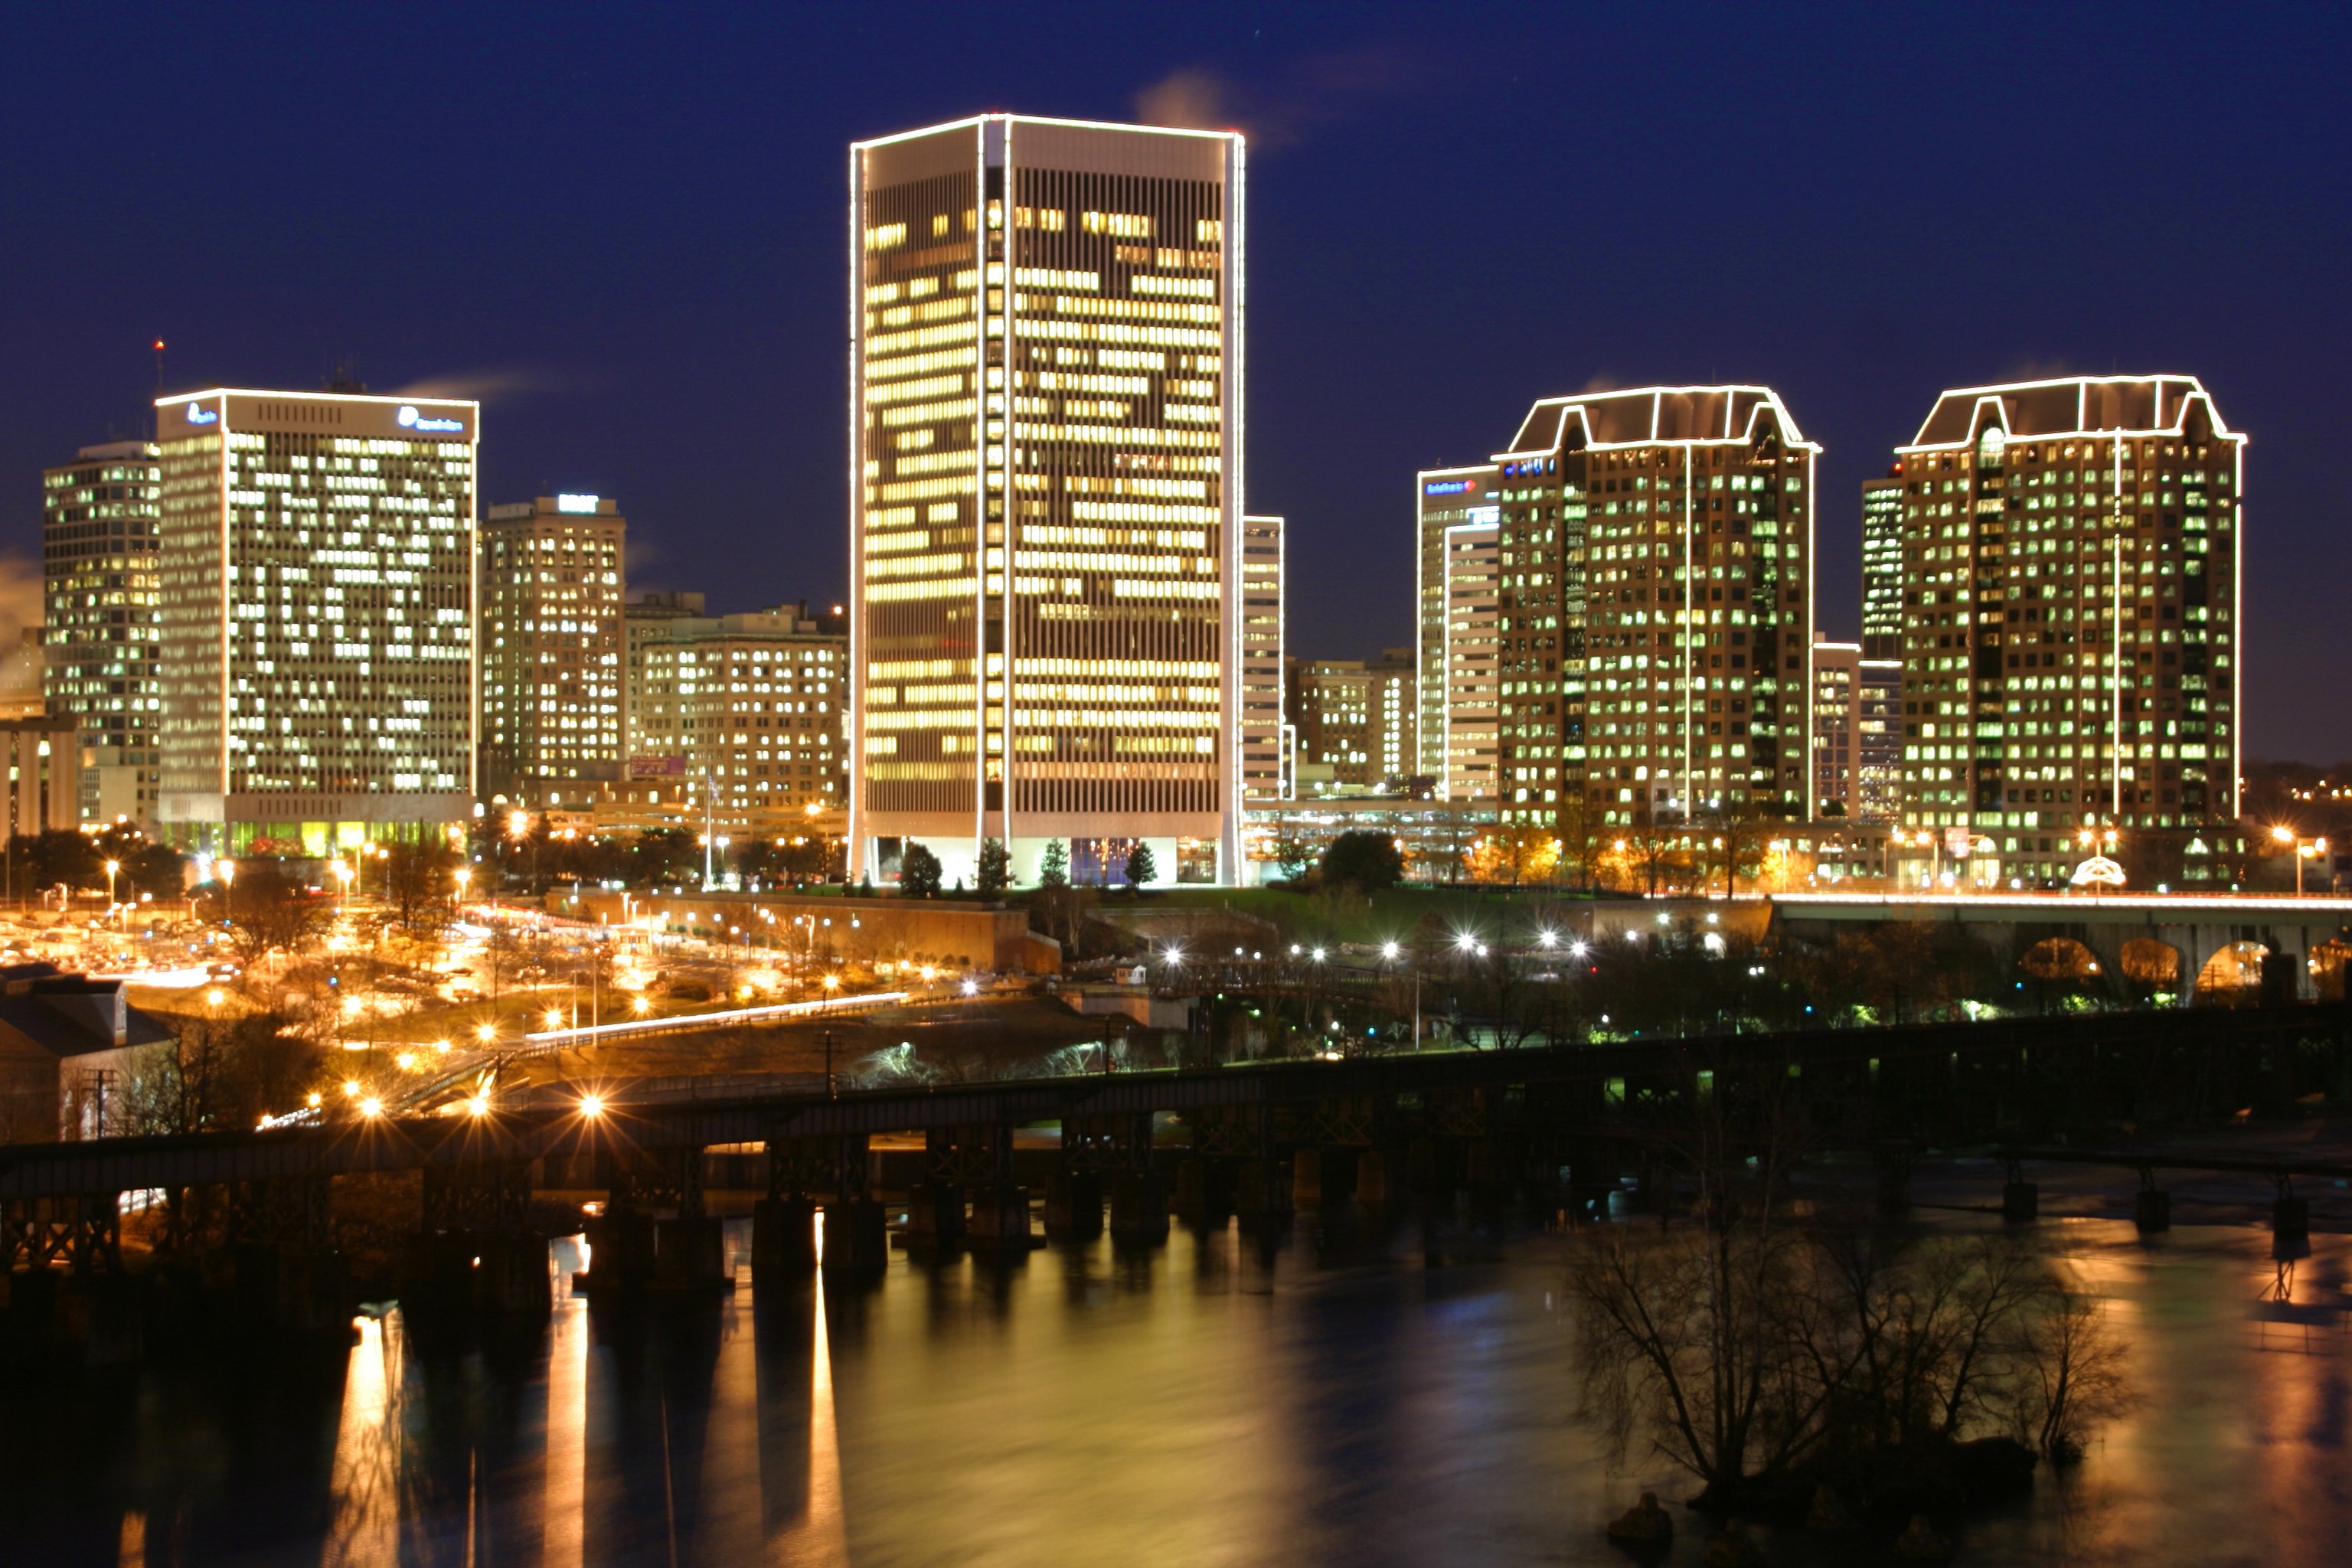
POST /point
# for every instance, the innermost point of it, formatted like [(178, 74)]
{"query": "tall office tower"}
[(1471, 580), (1881, 565), (1837, 728), (1262, 681), (317, 620), (2070, 640), (1450, 504), (747, 711), (1878, 757), (1046, 536), (551, 595), (1656, 558), (98, 601)]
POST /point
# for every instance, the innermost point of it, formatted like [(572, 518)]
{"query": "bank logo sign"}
[(410, 419)]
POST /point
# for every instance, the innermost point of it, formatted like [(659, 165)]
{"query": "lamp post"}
[(114, 866), (463, 875), (2304, 848)]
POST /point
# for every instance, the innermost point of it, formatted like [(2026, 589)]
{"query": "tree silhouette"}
[(1054, 870), (995, 869), (1141, 868), (918, 873)]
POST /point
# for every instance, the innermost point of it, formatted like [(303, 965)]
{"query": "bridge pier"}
[(476, 1251), (1073, 1205), (1138, 1207)]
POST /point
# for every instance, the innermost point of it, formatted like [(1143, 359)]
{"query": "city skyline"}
[(1859, 351)]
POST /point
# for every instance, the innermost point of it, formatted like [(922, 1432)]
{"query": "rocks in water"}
[(1732, 1547), (1646, 1527), (1919, 1543), (1828, 1510)]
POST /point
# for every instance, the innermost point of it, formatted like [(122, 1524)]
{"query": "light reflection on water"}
[(1201, 1403)]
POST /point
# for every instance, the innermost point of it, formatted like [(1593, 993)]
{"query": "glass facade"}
[(1882, 567), (99, 605), (316, 579), (1048, 530)]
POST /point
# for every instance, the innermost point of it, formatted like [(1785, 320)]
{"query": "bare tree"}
[(268, 912)]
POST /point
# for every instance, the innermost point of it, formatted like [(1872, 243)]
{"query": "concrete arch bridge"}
[(2196, 948)]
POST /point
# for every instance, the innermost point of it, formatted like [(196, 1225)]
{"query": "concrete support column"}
[(1073, 1205), (1138, 1207), (1306, 1179), (783, 1238)]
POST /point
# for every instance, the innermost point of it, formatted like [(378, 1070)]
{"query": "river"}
[(1200, 1403)]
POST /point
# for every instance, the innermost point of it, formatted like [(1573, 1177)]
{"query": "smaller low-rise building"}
[(69, 1048)]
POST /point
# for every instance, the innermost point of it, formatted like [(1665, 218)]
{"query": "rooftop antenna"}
[(152, 415)]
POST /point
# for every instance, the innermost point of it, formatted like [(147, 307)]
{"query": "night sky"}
[(623, 230)]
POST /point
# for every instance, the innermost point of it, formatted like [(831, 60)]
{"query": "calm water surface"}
[(1196, 1403)]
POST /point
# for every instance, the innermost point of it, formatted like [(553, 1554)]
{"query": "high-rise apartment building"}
[(1881, 565), (1470, 660), (98, 602), (1837, 728), (1454, 506), (316, 576), (1878, 757), (746, 709), (1045, 538), (551, 595), (1656, 607), (2071, 630), (1263, 774)]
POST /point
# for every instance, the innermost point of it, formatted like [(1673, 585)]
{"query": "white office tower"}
[(1047, 517)]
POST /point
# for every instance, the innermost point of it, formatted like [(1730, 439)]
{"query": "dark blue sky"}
[(623, 228)]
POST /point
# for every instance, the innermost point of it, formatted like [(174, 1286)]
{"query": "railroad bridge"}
[(1254, 1139)]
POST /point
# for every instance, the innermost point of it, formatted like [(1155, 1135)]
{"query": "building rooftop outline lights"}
[(1615, 703), (1048, 492), (316, 575), (2094, 522)]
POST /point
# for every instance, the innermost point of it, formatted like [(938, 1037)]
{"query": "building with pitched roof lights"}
[(1656, 608), (1047, 526), (316, 575), (2070, 625)]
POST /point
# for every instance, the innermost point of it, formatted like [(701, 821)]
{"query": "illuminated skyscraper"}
[(97, 570), (1262, 636), (317, 620), (1046, 535), (1472, 595), (1454, 507), (1656, 560), (1881, 566), (2071, 631), (550, 595)]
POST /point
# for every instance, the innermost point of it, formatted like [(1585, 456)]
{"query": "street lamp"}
[(2304, 848), (464, 874), (111, 867)]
